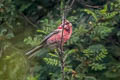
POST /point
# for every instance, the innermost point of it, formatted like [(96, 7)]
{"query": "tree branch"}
[(61, 52), (89, 4), (28, 20)]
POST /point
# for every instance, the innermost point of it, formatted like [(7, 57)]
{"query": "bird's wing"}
[(51, 34)]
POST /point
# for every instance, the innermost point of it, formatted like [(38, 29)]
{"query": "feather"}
[(50, 35)]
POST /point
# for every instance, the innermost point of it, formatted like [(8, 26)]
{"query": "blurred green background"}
[(92, 53)]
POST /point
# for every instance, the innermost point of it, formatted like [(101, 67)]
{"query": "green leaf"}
[(41, 31), (23, 7), (104, 10), (92, 13)]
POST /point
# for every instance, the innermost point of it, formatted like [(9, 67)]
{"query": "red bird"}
[(53, 40)]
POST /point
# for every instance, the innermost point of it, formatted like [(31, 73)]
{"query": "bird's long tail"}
[(33, 51)]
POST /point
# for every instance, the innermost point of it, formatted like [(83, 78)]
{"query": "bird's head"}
[(67, 25)]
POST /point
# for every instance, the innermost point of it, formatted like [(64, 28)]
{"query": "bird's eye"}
[(66, 23)]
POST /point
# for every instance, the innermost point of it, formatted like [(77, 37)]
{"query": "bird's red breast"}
[(56, 38)]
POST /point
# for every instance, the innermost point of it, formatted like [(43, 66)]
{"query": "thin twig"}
[(67, 3), (72, 3), (61, 53), (61, 47), (68, 8), (95, 7), (85, 4), (28, 20)]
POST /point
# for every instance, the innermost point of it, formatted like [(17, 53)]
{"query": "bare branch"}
[(29, 21), (61, 53), (93, 6), (88, 4), (72, 3)]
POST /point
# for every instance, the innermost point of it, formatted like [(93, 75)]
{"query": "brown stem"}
[(61, 53), (61, 57), (61, 50)]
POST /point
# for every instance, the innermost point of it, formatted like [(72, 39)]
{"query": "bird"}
[(53, 40)]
